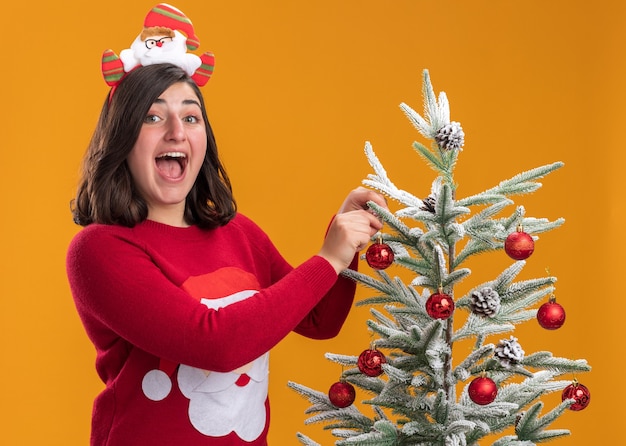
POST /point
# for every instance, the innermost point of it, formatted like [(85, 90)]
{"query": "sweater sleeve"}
[(120, 293), (325, 320)]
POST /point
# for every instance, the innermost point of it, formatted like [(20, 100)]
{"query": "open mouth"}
[(171, 164)]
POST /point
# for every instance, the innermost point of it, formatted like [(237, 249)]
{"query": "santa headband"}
[(166, 36)]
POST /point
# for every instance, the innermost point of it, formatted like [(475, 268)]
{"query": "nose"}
[(175, 130)]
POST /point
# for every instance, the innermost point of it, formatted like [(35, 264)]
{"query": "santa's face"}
[(159, 48), (168, 153)]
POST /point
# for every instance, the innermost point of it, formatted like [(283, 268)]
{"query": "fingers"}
[(377, 198), (359, 197), (375, 223), (352, 228), (348, 233)]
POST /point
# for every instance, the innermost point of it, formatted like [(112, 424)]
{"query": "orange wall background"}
[(299, 87)]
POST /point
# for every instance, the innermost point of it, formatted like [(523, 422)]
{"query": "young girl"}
[(181, 295)]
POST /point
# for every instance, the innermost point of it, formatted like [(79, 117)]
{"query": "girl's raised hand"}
[(352, 228)]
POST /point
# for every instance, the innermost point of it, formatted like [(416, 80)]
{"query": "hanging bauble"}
[(579, 393), (371, 362), (551, 315), (519, 245), (341, 394), (482, 390), (440, 305), (379, 255)]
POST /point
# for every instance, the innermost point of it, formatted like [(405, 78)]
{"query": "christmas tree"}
[(418, 391)]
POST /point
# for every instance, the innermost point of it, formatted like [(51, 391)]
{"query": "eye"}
[(191, 119), (151, 119)]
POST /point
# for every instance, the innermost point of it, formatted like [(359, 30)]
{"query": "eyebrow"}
[(185, 102)]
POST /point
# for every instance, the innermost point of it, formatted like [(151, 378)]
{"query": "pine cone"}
[(450, 136), (486, 302), (509, 352), (428, 204)]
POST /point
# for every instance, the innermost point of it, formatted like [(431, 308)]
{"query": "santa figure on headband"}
[(166, 36)]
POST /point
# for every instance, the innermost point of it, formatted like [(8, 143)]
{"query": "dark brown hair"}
[(106, 192)]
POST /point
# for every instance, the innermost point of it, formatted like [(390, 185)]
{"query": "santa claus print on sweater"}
[(219, 403)]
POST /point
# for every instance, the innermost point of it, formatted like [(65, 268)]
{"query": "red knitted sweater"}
[(182, 320)]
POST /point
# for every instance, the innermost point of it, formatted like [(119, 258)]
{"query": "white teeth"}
[(172, 155)]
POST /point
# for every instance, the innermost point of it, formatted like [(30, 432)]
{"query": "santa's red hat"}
[(170, 17)]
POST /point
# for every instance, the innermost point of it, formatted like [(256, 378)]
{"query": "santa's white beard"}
[(218, 406)]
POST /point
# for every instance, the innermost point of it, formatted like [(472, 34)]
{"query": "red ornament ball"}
[(379, 255), (440, 306), (551, 315), (371, 362), (519, 245), (341, 394), (579, 393), (482, 390)]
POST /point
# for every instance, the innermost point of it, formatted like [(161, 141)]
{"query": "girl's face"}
[(168, 154)]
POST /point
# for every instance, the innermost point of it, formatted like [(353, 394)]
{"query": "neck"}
[(172, 216)]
